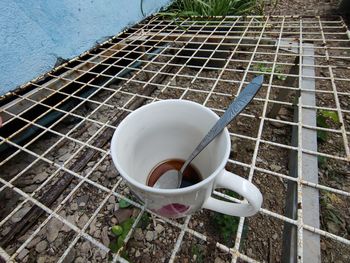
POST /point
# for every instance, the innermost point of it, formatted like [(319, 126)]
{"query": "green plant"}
[(120, 232), (185, 8), (227, 225), (266, 69), (144, 221), (322, 161), (262, 6), (198, 252), (329, 203), (324, 120), (123, 203)]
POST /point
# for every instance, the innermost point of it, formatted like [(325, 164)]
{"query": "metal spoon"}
[(173, 178)]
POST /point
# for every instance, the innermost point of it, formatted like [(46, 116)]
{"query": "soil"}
[(306, 8)]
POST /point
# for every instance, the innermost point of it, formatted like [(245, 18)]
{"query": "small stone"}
[(137, 254), (65, 228), (64, 157), (258, 159), (114, 221), (92, 227), (138, 234), (104, 236), (20, 213), (234, 147), (283, 112), (52, 229), (333, 227), (102, 253), (83, 220), (79, 260), (111, 199), (149, 236), (85, 247), (97, 233), (219, 260), (280, 132), (6, 231), (110, 207), (71, 219), (70, 257), (40, 177), (34, 241), (82, 200), (277, 124), (41, 246), (59, 241), (24, 252), (159, 229), (275, 167), (62, 213), (201, 224), (249, 252), (102, 168), (41, 259), (30, 188), (135, 212), (111, 174), (275, 236), (74, 206)]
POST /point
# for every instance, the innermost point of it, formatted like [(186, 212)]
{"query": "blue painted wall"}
[(34, 33)]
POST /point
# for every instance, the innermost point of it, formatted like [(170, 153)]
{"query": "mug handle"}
[(241, 186)]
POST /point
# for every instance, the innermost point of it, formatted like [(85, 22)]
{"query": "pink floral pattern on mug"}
[(172, 210)]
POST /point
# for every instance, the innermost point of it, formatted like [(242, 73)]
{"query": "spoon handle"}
[(233, 110)]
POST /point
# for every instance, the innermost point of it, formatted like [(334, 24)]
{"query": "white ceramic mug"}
[(171, 129)]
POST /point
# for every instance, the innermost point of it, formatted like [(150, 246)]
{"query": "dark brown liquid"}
[(190, 177)]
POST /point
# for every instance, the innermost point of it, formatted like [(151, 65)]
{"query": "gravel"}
[(159, 229), (83, 220), (20, 213), (104, 236), (52, 229), (41, 246), (150, 236), (138, 234), (23, 254)]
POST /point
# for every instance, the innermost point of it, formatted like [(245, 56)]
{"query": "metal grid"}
[(306, 65)]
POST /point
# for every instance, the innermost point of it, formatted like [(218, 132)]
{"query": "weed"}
[(120, 232), (197, 251), (185, 8), (331, 213), (123, 203), (144, 221), (322, 162), (266, 69), (324, 119), (227, 225), (263, 5)]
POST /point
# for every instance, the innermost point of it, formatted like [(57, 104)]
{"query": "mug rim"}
[(154, 190)]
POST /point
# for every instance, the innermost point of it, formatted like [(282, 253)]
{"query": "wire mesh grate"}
[(59, 190)]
